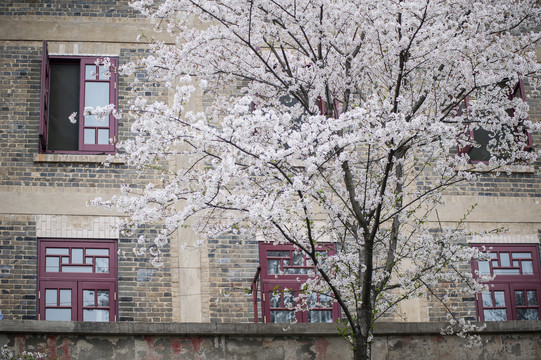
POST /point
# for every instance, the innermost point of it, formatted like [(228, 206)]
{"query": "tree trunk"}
[(362, 347)]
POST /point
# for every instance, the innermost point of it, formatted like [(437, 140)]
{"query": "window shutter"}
[(518, 91), (321, 105), (44, 98), (468, 133)]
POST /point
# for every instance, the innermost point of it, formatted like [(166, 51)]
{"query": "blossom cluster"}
[(346, 106)]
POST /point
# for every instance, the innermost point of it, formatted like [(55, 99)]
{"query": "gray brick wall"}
[(81, 8)]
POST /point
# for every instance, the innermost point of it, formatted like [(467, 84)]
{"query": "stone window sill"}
[(514, 169), (73, 158)]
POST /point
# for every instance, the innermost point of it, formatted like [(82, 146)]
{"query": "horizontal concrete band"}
[(243, 330), (122, 31)]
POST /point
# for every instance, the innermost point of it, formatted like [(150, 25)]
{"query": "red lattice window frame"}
[(283, 271), (515, 292), (68, 85), (480, 154), (77, 280)]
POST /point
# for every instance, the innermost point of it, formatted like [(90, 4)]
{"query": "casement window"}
[(283, 271), (482, 137), (68, 85), (77, 280), (515, 292)]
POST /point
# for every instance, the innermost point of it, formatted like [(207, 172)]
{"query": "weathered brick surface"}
[(144, 291), (232, 266), (86, 8), (20, 83), (18, 267)]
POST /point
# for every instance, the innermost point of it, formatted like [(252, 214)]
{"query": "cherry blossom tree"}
[(345, 130)]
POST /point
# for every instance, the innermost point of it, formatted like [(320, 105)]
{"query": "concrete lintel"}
[(178, 329), (71, 30), (52, 203), (426, 328), (494, 209), (285, 330)]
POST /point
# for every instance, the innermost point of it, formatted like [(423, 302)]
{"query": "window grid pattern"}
[(91, 84), (283, 270), (77, 280), (515, 292)]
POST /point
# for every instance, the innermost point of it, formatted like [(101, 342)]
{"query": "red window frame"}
[(288, 280), (517, 90), (65, 290), (110, 124), (516, 273)]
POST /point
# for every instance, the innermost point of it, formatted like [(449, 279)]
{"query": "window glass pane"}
[(506, 272), (499, 298), (88, 298), (273, 266), (320, 316), (103, 297), (90, 136), (52, 264), (102, 265), (76, 256), (522, 255), (285, 262), (57, 251), (96, 94), (519, 298), (480, 153), (276, 300), (487, 300), (278, 254), (100, 252), (88, 260), (325, 300), (293, 270), (103, 136), (484, 268), (495, 263), (50, 297), (495, 315), (75, 269), (104, 73), (95, 315), (288, 299), (65, 297), (504, 259), (298, 259), (58, 314), (90, 72), (532, 297), (527, 314), (527, 267), (312, 300), (282, 316), (516, 263), (65, 260)]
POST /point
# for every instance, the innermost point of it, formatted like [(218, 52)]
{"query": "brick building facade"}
[(43, 194)]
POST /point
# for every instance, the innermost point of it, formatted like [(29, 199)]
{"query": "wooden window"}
[(68, 85), (77, 280), (283, 271), (515, 292), (481, 137)]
